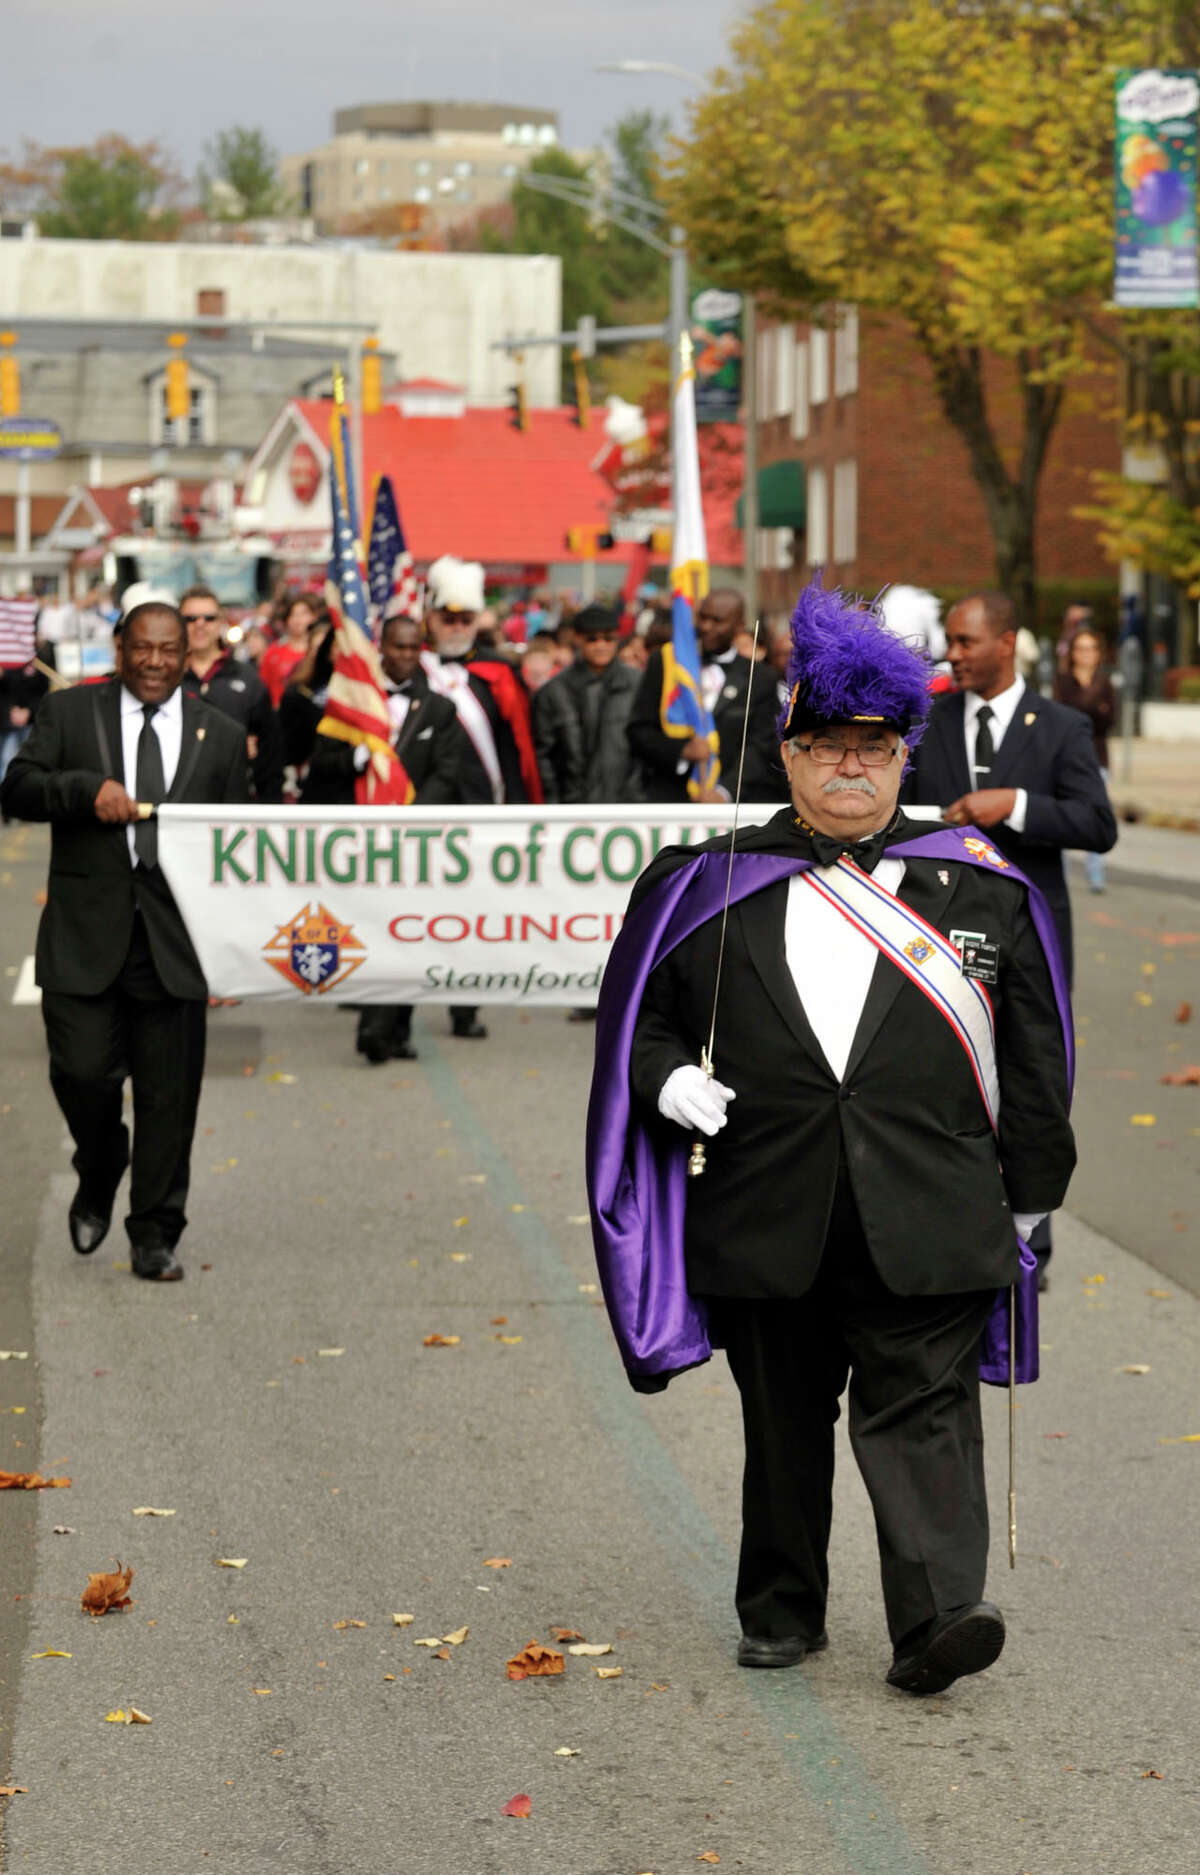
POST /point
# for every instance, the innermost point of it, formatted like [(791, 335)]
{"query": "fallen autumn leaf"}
[(52, 1653), (232, 1562), (520, 1805), (148, 1510), (535, 1662), (589, 1650), (457, 1638), (609, 1673), (30, 1481), (497, 1562), (440, 1341), (403, 1621), (107, 1591)]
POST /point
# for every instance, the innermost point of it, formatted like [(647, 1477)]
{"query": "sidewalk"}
[(1162, 785)]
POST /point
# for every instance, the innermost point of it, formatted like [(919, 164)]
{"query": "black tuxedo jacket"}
[(1047, 749), (934, 1189), (658, 754), (94, 889), (429, 745)]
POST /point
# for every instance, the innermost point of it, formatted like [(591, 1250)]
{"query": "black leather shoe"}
[(966, 1640), (375, 1049), (88, 1228), (156, 1263), (470, 1031), (757, 1650)]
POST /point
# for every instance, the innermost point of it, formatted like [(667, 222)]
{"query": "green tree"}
[(239, 179), (945, 166), (111, 190)]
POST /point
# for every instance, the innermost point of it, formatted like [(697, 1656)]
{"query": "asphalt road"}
[(343, 1208)]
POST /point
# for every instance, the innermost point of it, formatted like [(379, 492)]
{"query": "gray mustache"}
[(849, 784)]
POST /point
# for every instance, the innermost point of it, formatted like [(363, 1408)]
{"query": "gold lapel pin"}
[(1030, 717), (200, 734)]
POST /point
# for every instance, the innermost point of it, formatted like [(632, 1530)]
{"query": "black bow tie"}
[(827, 850)]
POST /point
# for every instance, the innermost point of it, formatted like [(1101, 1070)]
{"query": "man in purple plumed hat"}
[(882, 1120)]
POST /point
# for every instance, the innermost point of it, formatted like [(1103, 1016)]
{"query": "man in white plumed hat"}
[(497, 762)]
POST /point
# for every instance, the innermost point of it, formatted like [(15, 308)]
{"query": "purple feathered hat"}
[(846, 667)]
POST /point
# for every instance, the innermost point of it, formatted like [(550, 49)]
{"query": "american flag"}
[(395, 588), (356, 707), (18, 637)]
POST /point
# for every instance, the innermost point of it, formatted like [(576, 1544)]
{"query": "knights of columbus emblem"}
[(982, 850), (920, 950), (314, 952)]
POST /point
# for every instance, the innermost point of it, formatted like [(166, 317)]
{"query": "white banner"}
[(415, 905)]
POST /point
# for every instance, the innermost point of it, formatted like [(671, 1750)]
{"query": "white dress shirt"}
[(831, 962), (167, 723), (1003, 708)]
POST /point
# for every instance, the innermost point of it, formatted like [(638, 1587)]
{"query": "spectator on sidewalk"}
[(301, 617), (1086, 686)]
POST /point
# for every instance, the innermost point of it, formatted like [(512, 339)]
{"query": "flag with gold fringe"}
[(683, 712)]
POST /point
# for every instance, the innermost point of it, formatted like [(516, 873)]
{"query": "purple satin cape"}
[(637, 1186)]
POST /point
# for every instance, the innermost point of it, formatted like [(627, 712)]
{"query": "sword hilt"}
[(698, 1156)]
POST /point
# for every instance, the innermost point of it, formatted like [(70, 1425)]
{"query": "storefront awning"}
[(780, 495)]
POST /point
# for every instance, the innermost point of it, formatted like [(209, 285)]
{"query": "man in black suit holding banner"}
[(122, 990)]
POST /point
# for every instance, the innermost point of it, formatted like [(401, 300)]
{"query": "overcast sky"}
[(179, 70)]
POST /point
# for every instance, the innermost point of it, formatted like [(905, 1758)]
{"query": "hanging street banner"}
[(1156, 252), (416, 904), (29, 439), (716, 327)]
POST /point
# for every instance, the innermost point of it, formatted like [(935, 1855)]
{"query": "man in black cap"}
[(580, 716)]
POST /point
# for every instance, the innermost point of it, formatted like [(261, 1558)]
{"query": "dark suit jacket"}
[(658, 754), (83, 939), (429, 745), (1053, 759), (935, 1203)]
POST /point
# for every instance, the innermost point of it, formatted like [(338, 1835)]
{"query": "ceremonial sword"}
[(697, 1158)]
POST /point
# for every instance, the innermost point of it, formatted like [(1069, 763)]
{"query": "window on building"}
[(423, 194), (362, 166), (818, 365), (817, 545), (845, 352), (785, 358), (445, 185), (800, 400), (464, 169), (774, 549), (845, 512), (210, 302), (198, 428), (424, 168), (765, 375)]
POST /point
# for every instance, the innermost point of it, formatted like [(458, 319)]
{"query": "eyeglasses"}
[(827, 753), (201, 618)]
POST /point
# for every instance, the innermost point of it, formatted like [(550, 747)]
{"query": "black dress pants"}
[(915, 1428), (387, 1023), (133, 1028)]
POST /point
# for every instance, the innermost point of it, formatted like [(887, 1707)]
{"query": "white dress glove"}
[(692, 1100), (1027, 1222)]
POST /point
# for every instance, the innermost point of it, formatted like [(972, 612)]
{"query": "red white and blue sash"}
[(927, 959)]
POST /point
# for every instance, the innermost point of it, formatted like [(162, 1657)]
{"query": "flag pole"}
[(1012, 1427)]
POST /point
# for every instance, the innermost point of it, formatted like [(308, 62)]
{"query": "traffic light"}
[(583, 395), (10, 378), (179, 390), (517, 405), (372, 378)]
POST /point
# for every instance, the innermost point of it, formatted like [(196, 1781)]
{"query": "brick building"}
[(885, 492)]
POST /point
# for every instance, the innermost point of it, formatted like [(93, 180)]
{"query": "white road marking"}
[(27, 990)]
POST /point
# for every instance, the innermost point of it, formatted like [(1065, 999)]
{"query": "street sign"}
[(28, 439)]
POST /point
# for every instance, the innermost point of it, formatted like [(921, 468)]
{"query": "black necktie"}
[(865, 853), (151, 786), (984, 748)]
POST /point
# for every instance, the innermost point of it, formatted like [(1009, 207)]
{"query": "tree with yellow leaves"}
[(948, 166)]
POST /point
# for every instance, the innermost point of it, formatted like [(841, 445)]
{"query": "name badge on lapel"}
[(978, 958)]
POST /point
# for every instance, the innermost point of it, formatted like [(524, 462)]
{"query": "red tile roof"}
[(478, 487)]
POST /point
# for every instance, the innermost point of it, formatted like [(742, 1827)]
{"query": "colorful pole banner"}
[(717, 338), (423, 905), (1156, 175)]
